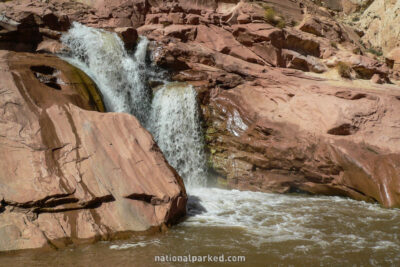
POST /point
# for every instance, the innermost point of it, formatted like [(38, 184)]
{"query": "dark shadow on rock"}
[(194, 206)]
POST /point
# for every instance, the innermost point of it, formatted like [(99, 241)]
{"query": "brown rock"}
[(193, 19), (177, 18), (244, 19), (295, 60), (285, 134), (18, 36), (366, 67), (376, 78), (262, 39), (324, 27), (128, 35), (182, 32), (66, 176), (50, 46), (122, 13), (394, 56), (302, 43), (222, 41)]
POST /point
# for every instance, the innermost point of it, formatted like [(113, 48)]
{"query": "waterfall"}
[(174, 122), (172, 117), (120, 77)]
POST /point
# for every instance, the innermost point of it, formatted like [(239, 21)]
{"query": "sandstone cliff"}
[(291, 101), (278, 130)]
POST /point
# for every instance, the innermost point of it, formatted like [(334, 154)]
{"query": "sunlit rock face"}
[(69, 173), (288, 139), (278, 116)]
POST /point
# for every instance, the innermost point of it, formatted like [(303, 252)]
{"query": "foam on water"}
[(139, 244), (172, 117), (315, 221), (327, 227)]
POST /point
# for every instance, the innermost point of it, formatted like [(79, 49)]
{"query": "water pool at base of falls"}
[(268, 229)]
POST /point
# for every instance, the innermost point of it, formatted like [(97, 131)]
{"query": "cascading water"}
[(282, 228), (120, 77), (175, 124), (172, 117)]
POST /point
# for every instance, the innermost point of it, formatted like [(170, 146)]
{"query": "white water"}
[(172, 117), (120, 77), (175, 125), (306, 224)]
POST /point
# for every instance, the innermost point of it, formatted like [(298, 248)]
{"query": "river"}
[(268, 229)]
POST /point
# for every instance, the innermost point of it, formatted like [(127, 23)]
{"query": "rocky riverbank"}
[(292, 100)]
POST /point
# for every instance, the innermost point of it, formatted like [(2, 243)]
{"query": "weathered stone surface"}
[(50, 46), (394, 55), (268, 128), (285, 134), (366, 67), (281, 131), (324, 27), (379, 22), (70, 174), (295, 60)]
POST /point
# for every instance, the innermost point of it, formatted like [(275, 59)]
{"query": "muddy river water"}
[(267, 229)]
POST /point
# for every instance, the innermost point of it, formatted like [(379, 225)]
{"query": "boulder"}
[(302, 43), (376, 78), (366, 67), (244, 19), (50, 46), (18, 36), (324, 27), (128, 35), (69, 173), (295, 60)]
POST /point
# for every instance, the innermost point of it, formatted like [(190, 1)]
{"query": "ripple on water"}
[(268, 229), (315, 221)]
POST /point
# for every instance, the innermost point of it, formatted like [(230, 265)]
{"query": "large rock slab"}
[(289, 134), (68, 173)]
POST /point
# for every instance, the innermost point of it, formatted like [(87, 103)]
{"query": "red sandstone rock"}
[(269, 129), (283, 134), (324, 27), (70, 174), (376, 78), (50, 46), (366, 67)]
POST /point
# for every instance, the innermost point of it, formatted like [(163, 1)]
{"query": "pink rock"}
[(69, 173), (50, 46), (244, 19)]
